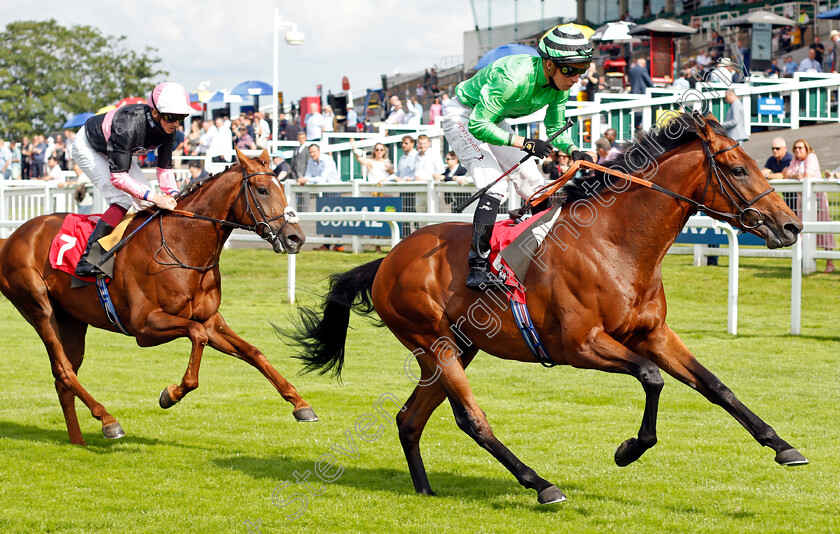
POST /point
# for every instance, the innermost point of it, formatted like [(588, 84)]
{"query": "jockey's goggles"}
[(172, 117), (570, 72)]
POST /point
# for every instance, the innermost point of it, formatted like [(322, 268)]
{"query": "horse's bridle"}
[(288, 216), (726, 188)]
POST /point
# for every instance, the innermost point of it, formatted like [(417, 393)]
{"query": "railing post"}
[(732, 302), (796, 288), (794, 107), (809, 208), (290, 277)]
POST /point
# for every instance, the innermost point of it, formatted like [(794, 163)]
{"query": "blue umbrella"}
[(502, 51), (77, 120), (830, 14), (252, 88)]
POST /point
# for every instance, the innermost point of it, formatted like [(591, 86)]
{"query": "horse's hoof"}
[(165, 400), (305, 415), (551, 495), (791, 457), (624, 455), (113, 431)]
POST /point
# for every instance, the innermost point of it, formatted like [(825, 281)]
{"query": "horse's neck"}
[(641, 222)]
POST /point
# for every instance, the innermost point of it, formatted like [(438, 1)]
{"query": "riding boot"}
[(84, 267), (480, 276)]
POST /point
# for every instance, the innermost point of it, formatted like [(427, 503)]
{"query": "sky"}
[(228, 42)]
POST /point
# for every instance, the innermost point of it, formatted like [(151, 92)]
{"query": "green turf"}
[(211, 463)]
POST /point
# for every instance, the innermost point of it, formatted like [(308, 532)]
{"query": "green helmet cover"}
[(565, 45)]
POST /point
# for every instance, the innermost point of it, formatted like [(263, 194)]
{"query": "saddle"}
[(69, 244)]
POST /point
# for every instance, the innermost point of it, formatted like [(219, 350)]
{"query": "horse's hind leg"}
[(38, 309), (72, 333), (602, 352), (222, 338), (667, 350), (425, 398), (470, 417)]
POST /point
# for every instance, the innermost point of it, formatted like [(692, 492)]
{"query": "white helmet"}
[(170, 97)]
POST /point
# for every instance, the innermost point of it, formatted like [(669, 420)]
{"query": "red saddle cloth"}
[(504, 233), (70, 242)]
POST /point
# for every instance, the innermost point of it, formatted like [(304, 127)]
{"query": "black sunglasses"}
[(776, 147), (570, 72), (172, 117)]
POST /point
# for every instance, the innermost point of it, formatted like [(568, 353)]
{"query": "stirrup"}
[(480, 276), (86, 269)]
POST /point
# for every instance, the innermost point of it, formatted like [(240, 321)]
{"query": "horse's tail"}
[(321, 332)]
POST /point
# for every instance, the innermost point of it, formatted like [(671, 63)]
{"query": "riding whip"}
[(486, 188)]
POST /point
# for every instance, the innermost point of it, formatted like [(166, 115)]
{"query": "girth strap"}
[(107, 304)]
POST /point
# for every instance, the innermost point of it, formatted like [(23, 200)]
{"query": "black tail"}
[(321, 333)]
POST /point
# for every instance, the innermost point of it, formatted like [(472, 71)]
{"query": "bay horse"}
[(166, 284), (594, 289)]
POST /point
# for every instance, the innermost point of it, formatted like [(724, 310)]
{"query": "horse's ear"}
[(264, 157), (703, 126), (242, 158)]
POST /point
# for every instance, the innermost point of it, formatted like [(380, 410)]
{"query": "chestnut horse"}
[(594, 291), (166, 284)]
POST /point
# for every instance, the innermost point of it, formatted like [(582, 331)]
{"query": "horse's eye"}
[(739, 171), (262, 190)]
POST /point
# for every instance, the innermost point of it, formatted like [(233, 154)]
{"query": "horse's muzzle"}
[(782, 234), (289, 242)]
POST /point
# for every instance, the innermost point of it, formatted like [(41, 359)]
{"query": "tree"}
[(49, 73)]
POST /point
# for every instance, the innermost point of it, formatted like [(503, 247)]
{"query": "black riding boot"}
[(84, 267), (480, 276)]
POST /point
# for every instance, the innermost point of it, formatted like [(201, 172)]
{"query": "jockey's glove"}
[(579, 154), (537, 147)]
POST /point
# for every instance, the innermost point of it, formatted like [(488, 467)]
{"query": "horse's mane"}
[(651, 144), (190, 189)]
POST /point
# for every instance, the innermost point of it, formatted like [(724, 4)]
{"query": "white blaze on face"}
[(290, 215), (274, 179)]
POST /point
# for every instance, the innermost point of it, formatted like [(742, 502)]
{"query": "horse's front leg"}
[(160, 327), (668, 351), (222, 338)]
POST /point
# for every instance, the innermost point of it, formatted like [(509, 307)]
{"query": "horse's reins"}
[(723, 182), (287, 216)]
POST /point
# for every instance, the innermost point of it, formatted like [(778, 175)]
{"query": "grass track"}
[(210, 463)]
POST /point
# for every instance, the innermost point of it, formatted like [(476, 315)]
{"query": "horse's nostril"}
[(793, 228), (293, 238)]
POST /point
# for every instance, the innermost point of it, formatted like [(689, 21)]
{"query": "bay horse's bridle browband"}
[(269, 235), (726, 188)]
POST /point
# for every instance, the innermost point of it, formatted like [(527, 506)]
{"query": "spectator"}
[(180, 143), (802, 22), (329, 119), (279, 166), (818, 48), (221, 144), (682, 83), (397, 114), (193, 139), (352, 120), (778, 161), (25, 158), (435, 110), (605, 150), (15, 167), (734, 122), (727, 72), (53, 171), (300, 157), (245, 141), (835, 50), (717, 44), (314, 123), (414, 117), (197, 172), (454, 171), (320, 169), (702, 59), (433, 82), (429, 164), (639, 77), (36, 165), (591, 84), (789, 67), (773, 71), (785, 43), (84, 200), (208, 130), (292, 128), (805, 165), (810, 63), (5, 160), (379, 168), (262, 131), (408, 161), (611, 136)]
